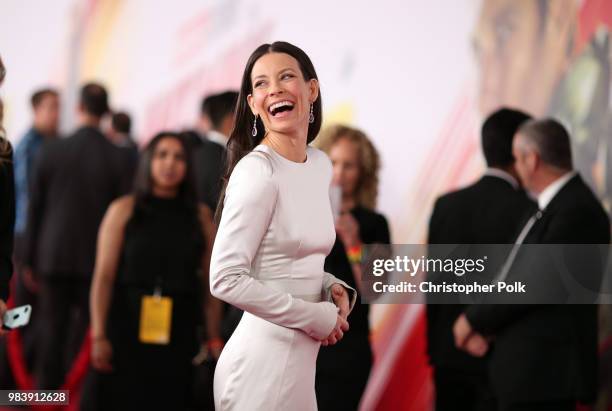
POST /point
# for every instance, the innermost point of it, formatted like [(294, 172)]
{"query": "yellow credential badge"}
[(155, 319)]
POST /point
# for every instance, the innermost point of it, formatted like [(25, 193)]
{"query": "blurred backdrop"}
[(417, 76)]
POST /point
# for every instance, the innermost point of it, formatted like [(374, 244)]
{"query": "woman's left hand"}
[(348, 230), (341, 299)]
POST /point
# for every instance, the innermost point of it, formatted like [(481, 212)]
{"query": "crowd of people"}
[(112, 248), (235, 248), (519, 356)]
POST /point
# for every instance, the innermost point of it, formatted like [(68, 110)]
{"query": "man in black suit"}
[(487, 212), (74, 181), (209, 141), (215, 125), (119, 133), (545, 356)]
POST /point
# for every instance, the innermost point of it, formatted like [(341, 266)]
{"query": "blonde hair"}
[(366, 192)]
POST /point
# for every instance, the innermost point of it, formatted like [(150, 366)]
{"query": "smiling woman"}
[(251, 126), (280, 95), (275, 229)]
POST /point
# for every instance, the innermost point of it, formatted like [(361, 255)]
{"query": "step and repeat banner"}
[(417, 77)]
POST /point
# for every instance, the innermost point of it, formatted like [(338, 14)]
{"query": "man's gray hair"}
[(551, 140)]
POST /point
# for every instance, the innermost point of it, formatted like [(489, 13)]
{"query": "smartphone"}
[(17, 317), (335, 196)]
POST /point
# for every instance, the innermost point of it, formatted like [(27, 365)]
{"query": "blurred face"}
[(168, 165), (344, 155), (46, 114), (504, 44), (107, 127), (521, 54), (281, 96), (526, 161), (227, 125)]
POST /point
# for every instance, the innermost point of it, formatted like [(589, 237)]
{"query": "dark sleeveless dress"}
[(163, 246), (343, 369)]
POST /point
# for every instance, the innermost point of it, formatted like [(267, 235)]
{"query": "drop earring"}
[(311, 118), (254, 131)]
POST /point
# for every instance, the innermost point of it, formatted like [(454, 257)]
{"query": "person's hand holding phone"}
[(16, 317), (335, 197), (347, 228)]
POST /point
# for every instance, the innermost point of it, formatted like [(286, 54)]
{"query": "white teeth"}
[(280, 104)]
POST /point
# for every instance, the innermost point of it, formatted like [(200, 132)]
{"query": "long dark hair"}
[(143, 183), (241, 141), (6, 152)]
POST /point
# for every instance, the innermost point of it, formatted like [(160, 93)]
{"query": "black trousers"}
[(23, 295), (63, 318), (458, 390), (342, 375)]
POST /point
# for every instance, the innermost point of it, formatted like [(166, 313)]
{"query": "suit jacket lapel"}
[(561, 199)]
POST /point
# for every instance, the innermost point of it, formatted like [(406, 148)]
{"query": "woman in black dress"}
[(151, 265), (7, 211), (343, 369)]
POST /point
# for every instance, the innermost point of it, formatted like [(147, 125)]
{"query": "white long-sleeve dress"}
[(275, 232)]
